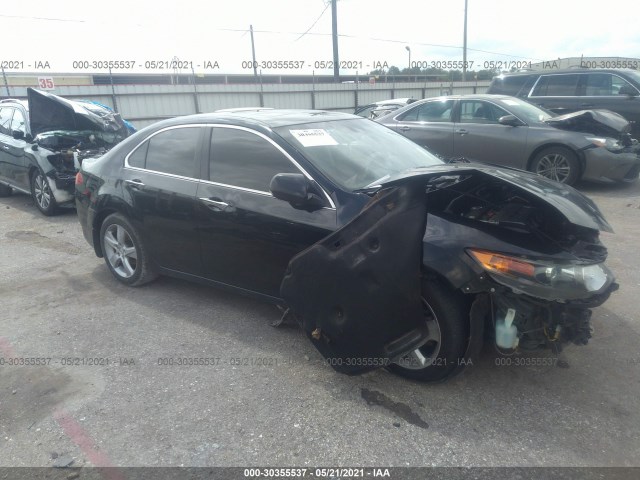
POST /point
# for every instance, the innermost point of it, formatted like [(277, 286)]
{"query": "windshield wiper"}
[(375, 182)]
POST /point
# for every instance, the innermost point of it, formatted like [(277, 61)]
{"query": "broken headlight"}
[(544, 278), (610, 144)]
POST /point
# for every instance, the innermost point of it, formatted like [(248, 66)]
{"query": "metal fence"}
[(146, 104)]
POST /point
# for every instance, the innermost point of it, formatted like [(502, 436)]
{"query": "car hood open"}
[(576, 208), (48, 112), (596, 122)]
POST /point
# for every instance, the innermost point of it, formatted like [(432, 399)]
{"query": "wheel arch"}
[(579, 154), (99, 218)]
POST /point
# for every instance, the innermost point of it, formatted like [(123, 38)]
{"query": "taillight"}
[(79, 179)]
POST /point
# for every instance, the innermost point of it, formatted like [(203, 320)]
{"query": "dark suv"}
[(565, 91)]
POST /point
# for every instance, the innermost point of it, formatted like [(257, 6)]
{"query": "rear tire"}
[(447, 316), (124, 252), (42, 195), (557, 163), (5, 190)]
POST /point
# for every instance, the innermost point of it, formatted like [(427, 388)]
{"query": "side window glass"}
[(243, 159), (174, 151), (18, 122), (619, 86), (366, 111), (430, 112), (5, 120), (513, 85), (557, 86), (474, 111), (139, 156)]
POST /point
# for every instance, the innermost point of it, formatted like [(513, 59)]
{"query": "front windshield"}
[(525, 111), (355, 153)]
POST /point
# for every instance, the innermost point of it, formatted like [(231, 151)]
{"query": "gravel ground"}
[(285, 406)]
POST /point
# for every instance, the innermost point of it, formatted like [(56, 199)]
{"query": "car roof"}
[(9, 101), (470, 96), (564, 70), (269, 118)]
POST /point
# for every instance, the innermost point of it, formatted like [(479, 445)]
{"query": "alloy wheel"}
[(425, 356), (120, 251), (554, 166), (42, 191)]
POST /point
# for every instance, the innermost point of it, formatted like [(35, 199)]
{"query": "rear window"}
[(514, 86)]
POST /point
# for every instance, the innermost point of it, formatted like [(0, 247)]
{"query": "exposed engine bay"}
[(65, 132), (522, 312), (524, 251)]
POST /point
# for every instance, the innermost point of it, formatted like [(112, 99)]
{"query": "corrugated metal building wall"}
[(146, 104)]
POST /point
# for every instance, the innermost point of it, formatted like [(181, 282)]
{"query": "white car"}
[(378, 109)]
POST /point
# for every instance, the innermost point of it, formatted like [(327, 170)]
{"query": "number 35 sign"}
[(46, 83)]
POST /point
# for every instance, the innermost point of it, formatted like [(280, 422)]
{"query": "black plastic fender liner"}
[(357, 291)]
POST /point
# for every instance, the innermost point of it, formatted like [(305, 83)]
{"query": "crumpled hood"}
[(48, 112), (596, 122), (576, 208)]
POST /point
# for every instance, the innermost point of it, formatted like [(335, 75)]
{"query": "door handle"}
[(404, 128), (462, 131), (135, 183), (6, 147), (215, 204), (586, 104)]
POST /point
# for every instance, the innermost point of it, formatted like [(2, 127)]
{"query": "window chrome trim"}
[(429, 100), (237, 127), (279, 148), (530, 94), (172, 175), (126, 159), (244, 189)]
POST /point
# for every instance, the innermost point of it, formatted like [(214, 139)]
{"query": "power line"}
[(388, 40), (42, 18), (314, 23)]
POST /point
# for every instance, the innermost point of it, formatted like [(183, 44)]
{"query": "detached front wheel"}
[(446, 314), (124, 251)]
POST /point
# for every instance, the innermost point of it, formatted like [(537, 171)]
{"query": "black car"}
[(571, 90), (44, 140), (385, 255)]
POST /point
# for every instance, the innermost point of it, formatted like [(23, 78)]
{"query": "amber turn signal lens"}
[(494, 262)]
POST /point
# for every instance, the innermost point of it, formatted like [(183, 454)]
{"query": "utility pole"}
[(334, 34), (253, 54), (464, 45), (6, 84)]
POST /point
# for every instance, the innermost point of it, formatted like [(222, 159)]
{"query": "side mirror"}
[(18, 134), (627, 90), (297, 190), (510, 121)]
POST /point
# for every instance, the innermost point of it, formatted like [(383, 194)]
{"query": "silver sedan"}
[(503, 130)]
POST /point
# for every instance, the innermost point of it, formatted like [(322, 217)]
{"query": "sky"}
[(372, 32)]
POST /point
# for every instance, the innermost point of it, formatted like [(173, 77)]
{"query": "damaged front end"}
[(524, 250), (612, 153), (65, 132), (530, 245)]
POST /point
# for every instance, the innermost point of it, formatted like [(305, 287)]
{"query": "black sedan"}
[(383, 253), (43, 141)]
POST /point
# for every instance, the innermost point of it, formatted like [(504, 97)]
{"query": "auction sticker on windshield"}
[(313, 137)]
